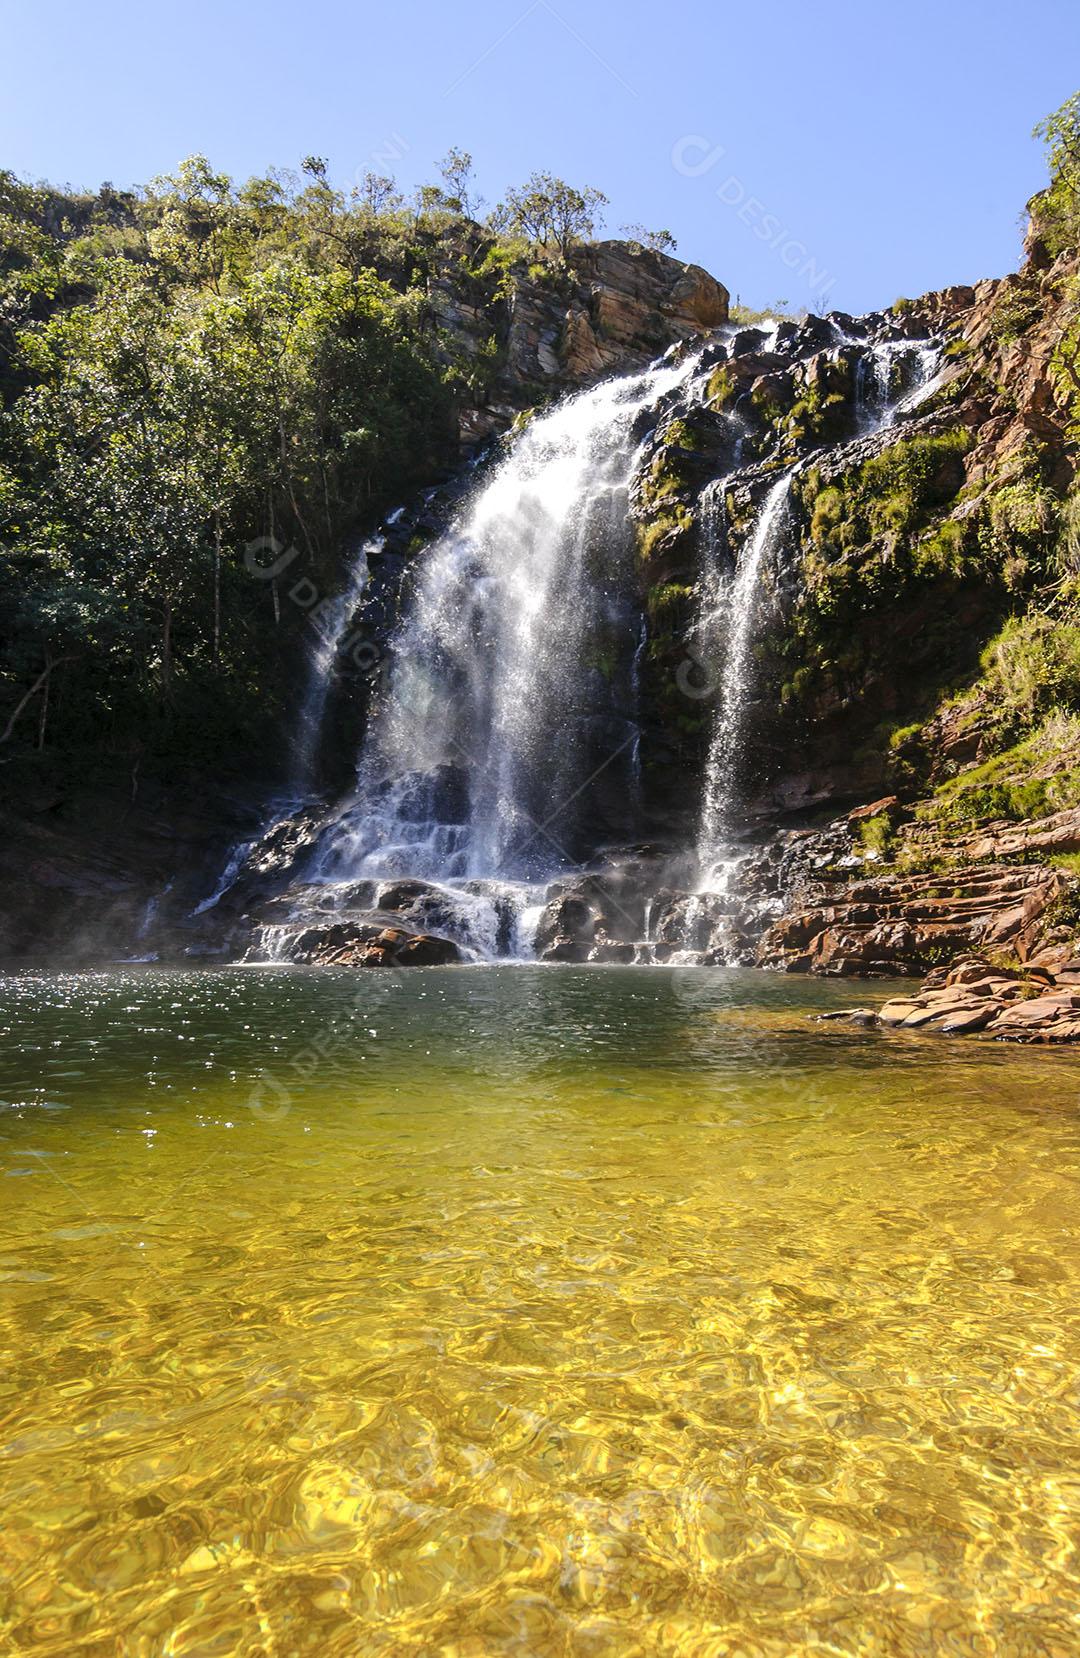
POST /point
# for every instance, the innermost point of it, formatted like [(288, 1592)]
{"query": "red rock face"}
[(899, 925), (1035, 1005), (614, 309)]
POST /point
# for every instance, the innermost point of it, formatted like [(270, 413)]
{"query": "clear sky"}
[(848, 151)]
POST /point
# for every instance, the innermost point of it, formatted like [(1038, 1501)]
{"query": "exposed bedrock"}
[(977, 996)]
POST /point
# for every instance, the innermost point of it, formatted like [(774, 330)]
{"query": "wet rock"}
[(356, 943), (1009, 1005), (401, 895), (566, 930), (902, 925), (611, 950)]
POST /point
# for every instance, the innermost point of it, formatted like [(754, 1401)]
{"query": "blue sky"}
[(837, 151)]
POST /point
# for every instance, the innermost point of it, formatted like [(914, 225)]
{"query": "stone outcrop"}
[(885, 891), (613, 307), (372, 943), (1055, 834), (1039, 1003), (600, 916), (1004, 377), (904, 924)]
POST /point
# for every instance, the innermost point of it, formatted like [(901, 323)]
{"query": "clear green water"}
[(549, 1311)]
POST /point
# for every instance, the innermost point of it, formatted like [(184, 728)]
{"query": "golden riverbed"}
[(529, 1311)]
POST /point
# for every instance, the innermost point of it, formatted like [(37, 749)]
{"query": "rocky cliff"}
[(924, 644), (541, 329), (908, 763)]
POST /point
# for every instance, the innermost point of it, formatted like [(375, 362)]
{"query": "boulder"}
[(361, 943), (1011, 1006), (566, 930)]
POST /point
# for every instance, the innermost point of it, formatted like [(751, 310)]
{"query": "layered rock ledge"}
[(901, 925), (1032, 1004)]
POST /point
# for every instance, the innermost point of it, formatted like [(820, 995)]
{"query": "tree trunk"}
[(28, 697), (43, 718), (166, 645)]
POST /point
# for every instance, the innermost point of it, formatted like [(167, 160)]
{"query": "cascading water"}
[(509, 719), (329, 622), (731, 603), (877, 369), (503, 747), (738, 602)]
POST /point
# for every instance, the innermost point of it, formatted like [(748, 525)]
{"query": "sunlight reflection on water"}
[(554, 1311)]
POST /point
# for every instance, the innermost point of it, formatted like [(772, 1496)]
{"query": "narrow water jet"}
[(736, 611)]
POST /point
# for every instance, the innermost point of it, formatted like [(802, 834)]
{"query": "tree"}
[(456, 169), (1056, 210), (555, 214), (238, 370), (661, 241), (192, 217), (378, 194)]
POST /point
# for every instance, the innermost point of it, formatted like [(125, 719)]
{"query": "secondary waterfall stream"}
[(736, 607), (892, 378)]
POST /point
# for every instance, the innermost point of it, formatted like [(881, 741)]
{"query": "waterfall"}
[(508, 728), (731, 601), (329, 622), (734, 614), (876, 370), (502, 747)]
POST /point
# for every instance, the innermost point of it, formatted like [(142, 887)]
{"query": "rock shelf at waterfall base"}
[(1036, 1004)]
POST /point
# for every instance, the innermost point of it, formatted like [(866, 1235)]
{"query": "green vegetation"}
[(1016, 308), (550, 212), (1055, 211), (878, 834), (820, 412), (204, 365), (659, 528), (1031, 668), (1064, 912), (1032, 778), (720, 388), (186, 372), (660, 241), (869, 532), (668, 604)]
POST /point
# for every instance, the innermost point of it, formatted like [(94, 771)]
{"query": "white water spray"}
[(734, 616), (329, 622), (510, 710)]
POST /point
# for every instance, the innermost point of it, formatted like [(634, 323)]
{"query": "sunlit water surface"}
[(532, 1311)]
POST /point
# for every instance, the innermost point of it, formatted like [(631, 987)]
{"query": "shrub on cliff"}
[(1032, 667), (1055, 211)]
